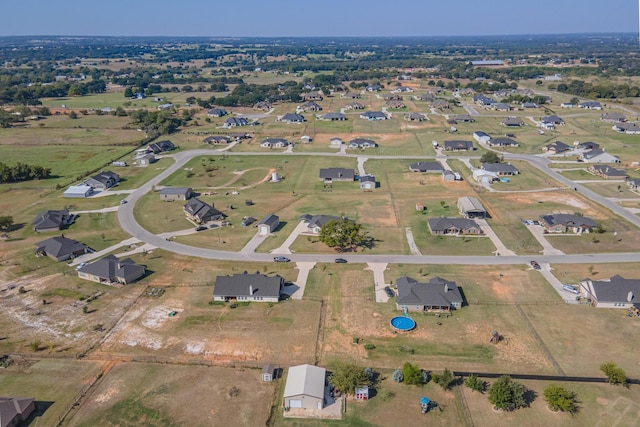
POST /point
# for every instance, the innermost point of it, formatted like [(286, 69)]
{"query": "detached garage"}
[(305, 387)]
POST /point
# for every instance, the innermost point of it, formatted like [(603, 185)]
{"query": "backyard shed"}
[(361, 393), (267, 373)]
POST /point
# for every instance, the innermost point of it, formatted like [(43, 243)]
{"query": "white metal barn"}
[(305, 387)]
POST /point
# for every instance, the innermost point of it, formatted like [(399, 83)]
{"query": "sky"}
[(276, 18)]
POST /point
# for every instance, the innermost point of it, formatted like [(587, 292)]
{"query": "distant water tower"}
[(275, 177)]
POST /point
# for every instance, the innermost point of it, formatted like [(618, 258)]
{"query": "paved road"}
[(131, 226)]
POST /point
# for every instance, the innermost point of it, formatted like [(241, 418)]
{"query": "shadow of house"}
[(41, 406)]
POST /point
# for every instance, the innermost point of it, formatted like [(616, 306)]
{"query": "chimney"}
[(250, 289), (630, 296), (446, 288)]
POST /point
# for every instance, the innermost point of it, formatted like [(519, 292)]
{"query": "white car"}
[(82, 264), (570, 288)]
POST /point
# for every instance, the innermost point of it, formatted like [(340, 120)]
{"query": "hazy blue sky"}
[(315, 18)]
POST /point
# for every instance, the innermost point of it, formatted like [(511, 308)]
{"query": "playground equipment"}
[(495, 337)]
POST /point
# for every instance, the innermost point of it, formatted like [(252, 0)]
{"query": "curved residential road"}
[(131, 226)]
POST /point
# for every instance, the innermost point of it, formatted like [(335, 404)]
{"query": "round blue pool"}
[(402, 323)]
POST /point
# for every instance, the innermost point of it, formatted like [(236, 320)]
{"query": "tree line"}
[(22, 172)]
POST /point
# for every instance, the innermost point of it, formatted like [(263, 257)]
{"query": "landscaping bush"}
[(474, 383), (412, 374), (560, 399), (397, 376), (507, 394), (614, 374), (369, 346)]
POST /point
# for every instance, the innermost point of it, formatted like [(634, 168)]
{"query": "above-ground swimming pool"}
[(402, 323)]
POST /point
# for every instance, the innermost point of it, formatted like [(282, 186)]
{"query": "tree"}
[(35, 345), (397, 376), (346, 377), (507, 394), (446, 379), (73, 115), (560, 399), (614, 374), (342, 234), (474, 383), (490, 157), (6, 222), (128, 93), (412, 374)]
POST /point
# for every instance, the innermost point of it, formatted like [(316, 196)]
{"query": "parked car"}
[(123, 201), (281, 259), (201, 228), (535, 265), (570, 288), (82, 264), (389, 292), (341, 261)]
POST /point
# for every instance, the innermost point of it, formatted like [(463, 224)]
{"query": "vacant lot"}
[(166, 395)]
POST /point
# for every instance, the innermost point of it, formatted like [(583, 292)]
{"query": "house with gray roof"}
[(354, 106), (337, 174), (217, 112), (316, 222), (52, 220), (61, 248), (391, 97), (501, 106), (463, 118), (161, 146), (201, 212), (395, 104), (102, 181), (440, 104), (556, 147), (373, 88), (248, 287), (426, 167), (310, 106), (598, 156), (526, 105), (312, 96), (615, 292), (274, 143), (112, 270), (627, 128), (373, 115), (563, 223), (262, 105), (613, 117), (608, 172), (437, 294), (235, 122), (501, 169), (268, 224), (590, 105), (470, 208), (332, 117), (458, 145), (554, 119), (502, 142), (453, 226), (512, 122), (14, 411), (351, 95), (217, 140), (414, 117), (368, 182), (305, 387), (362, 143), (292, 118), (633, 184), (170, 194)]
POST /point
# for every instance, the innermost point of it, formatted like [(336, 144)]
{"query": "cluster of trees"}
[(156, 123), (595, 90), (344, 235), (347, 376), (22, 172)]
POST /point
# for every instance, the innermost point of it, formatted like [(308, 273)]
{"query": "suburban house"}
[(103, 180), (391, 97), (526, 105), (200, 212), (354, 106), (598, 156), (14, 411), (274, 143), (332, 117), (470, 208), (395, 104), (502, 142), (367, 182), (316, 222), (305, 387), (633, 184), (484, 176), (110, 269), (414, 117), (512, 122), (590, 105), (169, 194), (453, 226), (481, 136), (292, 118), (440, 104), (607, 172), (337, 174), (427, 167), (501, 106), (373, 88), (588, 145), (217, 112), (373, 115), (248, 287), (563, 223), (566, 105), (78, 191), (310, 106), (351, 95), (402, 89), (463, 118), (501, 169), (161, 146), (262, 105), (458, 145), (483, 100), (144, 159), (336, 142), (425, 97), (550, 122), (61, 248), (628, 128), (235, 122), (362, 143), (613, 117), (52, 220), (556, 147), (239, 136), (217, 140), (437, 294), (615, 292), (268, 224), (312, 96)]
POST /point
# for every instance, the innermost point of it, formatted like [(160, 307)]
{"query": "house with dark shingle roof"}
[(52, 220), (170, 194), (217, 139), (310, 106), (102, 181), (316, 222), (395, 104), (362, 143), (274, 143), (464, 118), (248, 287), (368, 182), (217, 112), (111, 270), (512, 122), (373, 115), (414, 117), (598, 155), (633, 184), (590, 105), (556, 147), (627, 128), (502, 142), (607, 172), (458, 145), (354, 106), (426, 167), (200, 212), (292, 118), (453, 226), (235, 122), (337, 174), (501, 169), (437, 294), (14, 411), (312, 96), (161, 146), (61, 248), (268, 224), (331, 117), (563, 223), (615, 292)]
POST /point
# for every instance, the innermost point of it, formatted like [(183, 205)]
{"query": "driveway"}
[(538, 233), (253, 244), (412, 243), (361, 161), (284, 248), (378, 280), (501, 249), (568, 297), (296, 291)]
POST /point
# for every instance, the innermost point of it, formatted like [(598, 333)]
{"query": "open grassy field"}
[(54, 384), (171, 395)]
